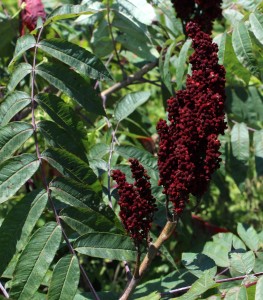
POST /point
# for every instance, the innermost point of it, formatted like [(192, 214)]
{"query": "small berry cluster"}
[(203, 12), (137, 205), (189, 146)]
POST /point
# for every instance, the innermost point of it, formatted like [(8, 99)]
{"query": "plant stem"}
[(4, 291), (43, 175), (152, 252), (186, 288)]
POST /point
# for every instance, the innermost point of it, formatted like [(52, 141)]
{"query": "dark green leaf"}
[(256, 21), (61, 113), (60, 138), (12, 137), (11, 105), (72, 84), (258, 150), (243, 48), (181, 64), (106, 245), (14, 172), (35, 261), (129, 103), (69, 165), (20, 72), (8, 32), (65, 279), (86, 220), (98, 150), (240, 141), (18, 225), (74, 193), (76, 57), (69, 11), (249, 236), (24, 43)]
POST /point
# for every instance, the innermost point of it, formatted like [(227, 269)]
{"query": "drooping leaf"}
[(12, 137), (69, 164), (35, 261), (240, 141), (91, 219), (20, 72), (18, 225), (14, 172), (65, 279), (259, 289), (72, 84), (243, 48), (256, 21), (129, 103), (23, 44), (249, 236), (203, 284), (76, 57), (106, 245), (68, 11), (60, 138), (242, 262), (74, 193), (236, 293), (61, 113), (180, 69), (11, 105)]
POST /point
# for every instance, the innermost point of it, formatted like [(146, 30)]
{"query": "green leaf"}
[(106, 245), (14, 172), (218, 252), (90, 219), (69, 11), (12, 104), (69, 164), (236, 293), (72, 84), (240, 141), (99, 150), (243, 262), (181, 64), (220, 40), (23, 44), (76, 57), (65, 279), (20, 72), (35, 261), (129, 103), (12, 137), (61, 113), (74, 193), (259, 289), (249, 236), (203, 284), (164, 66), (258, 150), (60, 138), (243, 48), (256, 21), (18, 225)]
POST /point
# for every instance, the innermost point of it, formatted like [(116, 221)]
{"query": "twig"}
[(6, 295), (186, 288), (130, 79), (152, 252), (43, 175), (249, 128)]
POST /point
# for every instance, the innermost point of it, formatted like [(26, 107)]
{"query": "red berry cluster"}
[(137, 205), (203, 12), (189, 147), (29, 15)]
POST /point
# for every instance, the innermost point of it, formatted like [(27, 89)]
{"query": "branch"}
[(186, 288), (129, 80), (4, 291), (152, 252)]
